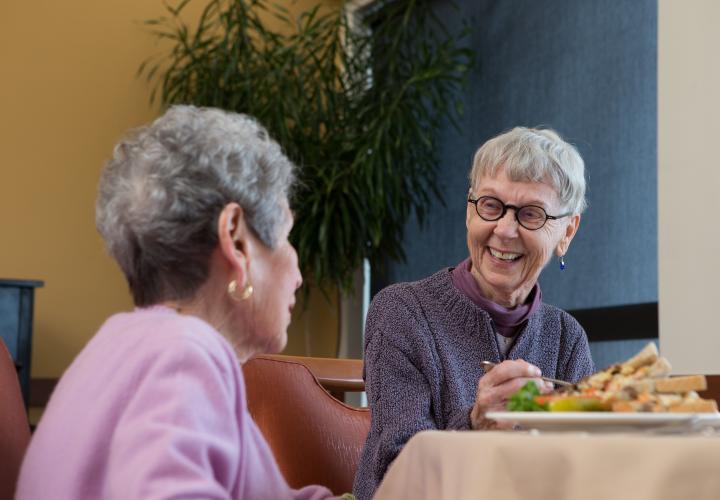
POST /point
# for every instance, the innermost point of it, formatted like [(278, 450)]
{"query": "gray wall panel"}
[(588, 69)]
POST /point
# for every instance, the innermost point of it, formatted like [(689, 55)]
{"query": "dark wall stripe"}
[(636, 321)]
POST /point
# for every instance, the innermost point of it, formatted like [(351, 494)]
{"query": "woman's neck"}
[(220, 319), (510, 299)]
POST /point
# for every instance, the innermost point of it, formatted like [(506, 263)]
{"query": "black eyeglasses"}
[(530, 217)]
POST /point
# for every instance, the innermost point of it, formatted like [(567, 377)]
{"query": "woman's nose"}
[(295, 266), (298, 274), (507, 226)]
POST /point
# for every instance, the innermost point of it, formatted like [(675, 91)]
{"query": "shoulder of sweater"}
[(436, 290), (440, 281), (394, 304), (408, 310), (158, 334), (142, 345)]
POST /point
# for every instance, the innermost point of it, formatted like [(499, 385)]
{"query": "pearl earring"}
[(244, 295)]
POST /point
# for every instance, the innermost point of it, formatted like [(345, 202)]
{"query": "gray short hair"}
[(161, 193), (535, 155)]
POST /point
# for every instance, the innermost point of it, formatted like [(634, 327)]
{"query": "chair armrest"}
[(334, 374)]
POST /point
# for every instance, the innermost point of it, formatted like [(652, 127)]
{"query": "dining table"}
[(541, 465)]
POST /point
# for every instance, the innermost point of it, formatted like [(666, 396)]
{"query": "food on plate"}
[(527, 399), (640, 384)]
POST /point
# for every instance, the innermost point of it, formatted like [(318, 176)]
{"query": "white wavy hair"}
[(162, 191), (535, 155)]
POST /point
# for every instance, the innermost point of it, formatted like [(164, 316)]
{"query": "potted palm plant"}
[(355, 105), (355, 100)]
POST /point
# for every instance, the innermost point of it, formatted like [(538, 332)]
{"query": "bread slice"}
[(681, 384), (642, 385), (668, 400), (647, 356), (695, 406), (660, 368), (631, 406)]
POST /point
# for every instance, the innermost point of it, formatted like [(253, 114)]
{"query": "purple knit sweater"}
[(423, 344)]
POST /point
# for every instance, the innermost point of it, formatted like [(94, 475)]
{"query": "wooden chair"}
[(713, 388), (316, 439), (14, 427)]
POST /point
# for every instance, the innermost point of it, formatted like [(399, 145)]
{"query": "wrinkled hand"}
[(495, 388)]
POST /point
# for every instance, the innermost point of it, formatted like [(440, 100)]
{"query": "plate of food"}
[(638, 394)]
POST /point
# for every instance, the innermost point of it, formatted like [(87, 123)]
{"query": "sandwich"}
[(640, 384)]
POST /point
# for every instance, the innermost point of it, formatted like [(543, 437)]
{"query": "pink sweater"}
[(153, 407)]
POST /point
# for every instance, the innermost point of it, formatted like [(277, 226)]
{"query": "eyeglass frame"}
[(517, 209)]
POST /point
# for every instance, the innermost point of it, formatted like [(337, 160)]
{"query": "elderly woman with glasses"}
[(425, 340), (194, 209)]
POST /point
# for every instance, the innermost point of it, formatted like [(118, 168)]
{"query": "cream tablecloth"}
[(563, 466)]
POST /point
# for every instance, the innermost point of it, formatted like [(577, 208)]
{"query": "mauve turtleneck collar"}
[(507, 321)]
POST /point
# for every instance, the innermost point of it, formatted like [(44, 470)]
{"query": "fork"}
[(489, 365)]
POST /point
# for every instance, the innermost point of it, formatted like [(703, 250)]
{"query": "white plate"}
[(608, 421)]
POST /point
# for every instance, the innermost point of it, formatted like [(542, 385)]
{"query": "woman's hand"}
[(496, 386)]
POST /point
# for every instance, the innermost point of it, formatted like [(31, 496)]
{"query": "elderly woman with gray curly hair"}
[(425, 340), (194, 208)]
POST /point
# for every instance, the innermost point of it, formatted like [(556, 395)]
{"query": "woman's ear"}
[(235, 241), (468, 215), (570, 230)]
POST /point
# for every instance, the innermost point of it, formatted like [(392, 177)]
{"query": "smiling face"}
[(507, 258)]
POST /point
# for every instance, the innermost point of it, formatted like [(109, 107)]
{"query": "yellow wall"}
[(68, 92)]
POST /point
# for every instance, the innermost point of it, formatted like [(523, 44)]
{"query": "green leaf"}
[(524, 399)]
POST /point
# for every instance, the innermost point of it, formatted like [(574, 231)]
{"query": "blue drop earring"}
[(562, 262)]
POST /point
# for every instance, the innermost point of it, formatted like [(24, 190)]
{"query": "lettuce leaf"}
[(524, 399)]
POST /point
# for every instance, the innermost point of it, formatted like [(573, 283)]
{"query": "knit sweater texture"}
[(423, 345)]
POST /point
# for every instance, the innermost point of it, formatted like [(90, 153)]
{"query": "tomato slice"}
[(545, 399)]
